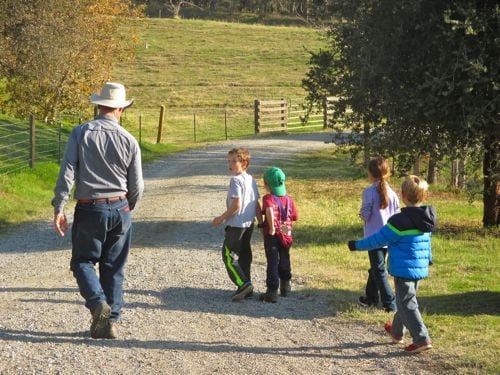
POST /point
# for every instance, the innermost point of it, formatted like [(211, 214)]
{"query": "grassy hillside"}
[(207, 66)]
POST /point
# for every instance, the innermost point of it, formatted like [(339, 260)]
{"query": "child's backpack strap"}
[(284, 211)]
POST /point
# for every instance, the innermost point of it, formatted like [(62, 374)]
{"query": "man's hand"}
[(60, 223), (352, 245)]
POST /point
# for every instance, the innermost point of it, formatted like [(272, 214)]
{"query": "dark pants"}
[(101, 234), (237, 254), (278, 262), (378, 281)]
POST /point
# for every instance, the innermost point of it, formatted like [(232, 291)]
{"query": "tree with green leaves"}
[(56, 52), (421, 78)]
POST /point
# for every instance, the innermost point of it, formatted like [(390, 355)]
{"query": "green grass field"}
[(209, 68)]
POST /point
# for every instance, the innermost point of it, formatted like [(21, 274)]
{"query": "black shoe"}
[(363, 301), (285, 287), (271, 295), (100, 326), (249, 295), (242, 292)]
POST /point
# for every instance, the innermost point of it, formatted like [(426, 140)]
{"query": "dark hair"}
[(379, 170)]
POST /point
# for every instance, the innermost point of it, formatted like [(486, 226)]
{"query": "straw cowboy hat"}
[(112, 96)]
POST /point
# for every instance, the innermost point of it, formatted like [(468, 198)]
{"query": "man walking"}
[(103, 161)]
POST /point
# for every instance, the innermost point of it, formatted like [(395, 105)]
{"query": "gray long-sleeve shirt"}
[(103, 160)]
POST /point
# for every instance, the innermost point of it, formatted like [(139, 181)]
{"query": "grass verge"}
[(460, 300)]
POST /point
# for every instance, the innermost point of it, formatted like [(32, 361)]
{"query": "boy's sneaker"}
[(363, 301), (242, 292), (417, 348), (395, 339), (100, 326)]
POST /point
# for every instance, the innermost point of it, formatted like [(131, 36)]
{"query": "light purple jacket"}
[(371, 213)]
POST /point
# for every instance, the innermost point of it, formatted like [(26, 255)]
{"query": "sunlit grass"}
[(460, 300), (214, 69)]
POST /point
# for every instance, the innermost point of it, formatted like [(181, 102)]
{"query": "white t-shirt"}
[(244, 187)]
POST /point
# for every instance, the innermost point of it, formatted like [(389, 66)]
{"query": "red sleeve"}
[(267, 201)]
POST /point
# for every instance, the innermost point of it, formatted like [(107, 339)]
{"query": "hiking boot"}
[(285, 287), (388, 330), (417, 348), (99, 328), (242, 292), (112, 330), (271, 295)]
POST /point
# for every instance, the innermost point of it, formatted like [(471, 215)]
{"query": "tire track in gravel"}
[(178, 317)]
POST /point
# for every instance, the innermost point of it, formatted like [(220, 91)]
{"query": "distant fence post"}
[(194, 126), (284, 113), (225, 122), (160, 125), (59, 133), (256, 116), (32, 142), (140, 128)]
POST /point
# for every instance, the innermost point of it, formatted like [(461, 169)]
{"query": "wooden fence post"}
[(32, 142), (140, 128), (160, 125), (194, 126), (59, 133), (256, 116), (284, 113), (325, 112), (225, 122)]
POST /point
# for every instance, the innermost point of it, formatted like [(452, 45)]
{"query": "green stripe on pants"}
[(229, 264)]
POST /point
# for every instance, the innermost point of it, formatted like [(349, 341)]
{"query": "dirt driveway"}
[(178, 318)]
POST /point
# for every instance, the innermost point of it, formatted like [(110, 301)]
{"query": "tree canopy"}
[(422, 74), (56, 52)]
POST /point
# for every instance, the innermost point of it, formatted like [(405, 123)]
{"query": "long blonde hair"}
[(379, 170)]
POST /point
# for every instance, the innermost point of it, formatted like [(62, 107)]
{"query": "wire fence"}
[(25, 143), (22, 144)]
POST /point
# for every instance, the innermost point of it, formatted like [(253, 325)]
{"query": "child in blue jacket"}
[(408, 237)]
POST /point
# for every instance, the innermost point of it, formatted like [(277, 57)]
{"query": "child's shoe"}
[(285, 287), (417, 348), (395, 339), (242, 292), (271, 295)]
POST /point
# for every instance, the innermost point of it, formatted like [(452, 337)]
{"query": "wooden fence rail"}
[(283, 115), (270, 115)]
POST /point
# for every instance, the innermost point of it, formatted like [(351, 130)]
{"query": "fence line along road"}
[(24, 143)]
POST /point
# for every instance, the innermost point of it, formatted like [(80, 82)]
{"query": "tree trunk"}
[(461, 173), (432, 171), (454, 174), (416, 165), (366, 143), (491, 191)]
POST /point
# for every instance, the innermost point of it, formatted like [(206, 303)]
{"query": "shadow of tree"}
[(463, 304)]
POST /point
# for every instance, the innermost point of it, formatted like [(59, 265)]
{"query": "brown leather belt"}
[(102, 200)]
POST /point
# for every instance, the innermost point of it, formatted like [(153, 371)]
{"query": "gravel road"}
[(178, 318)]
